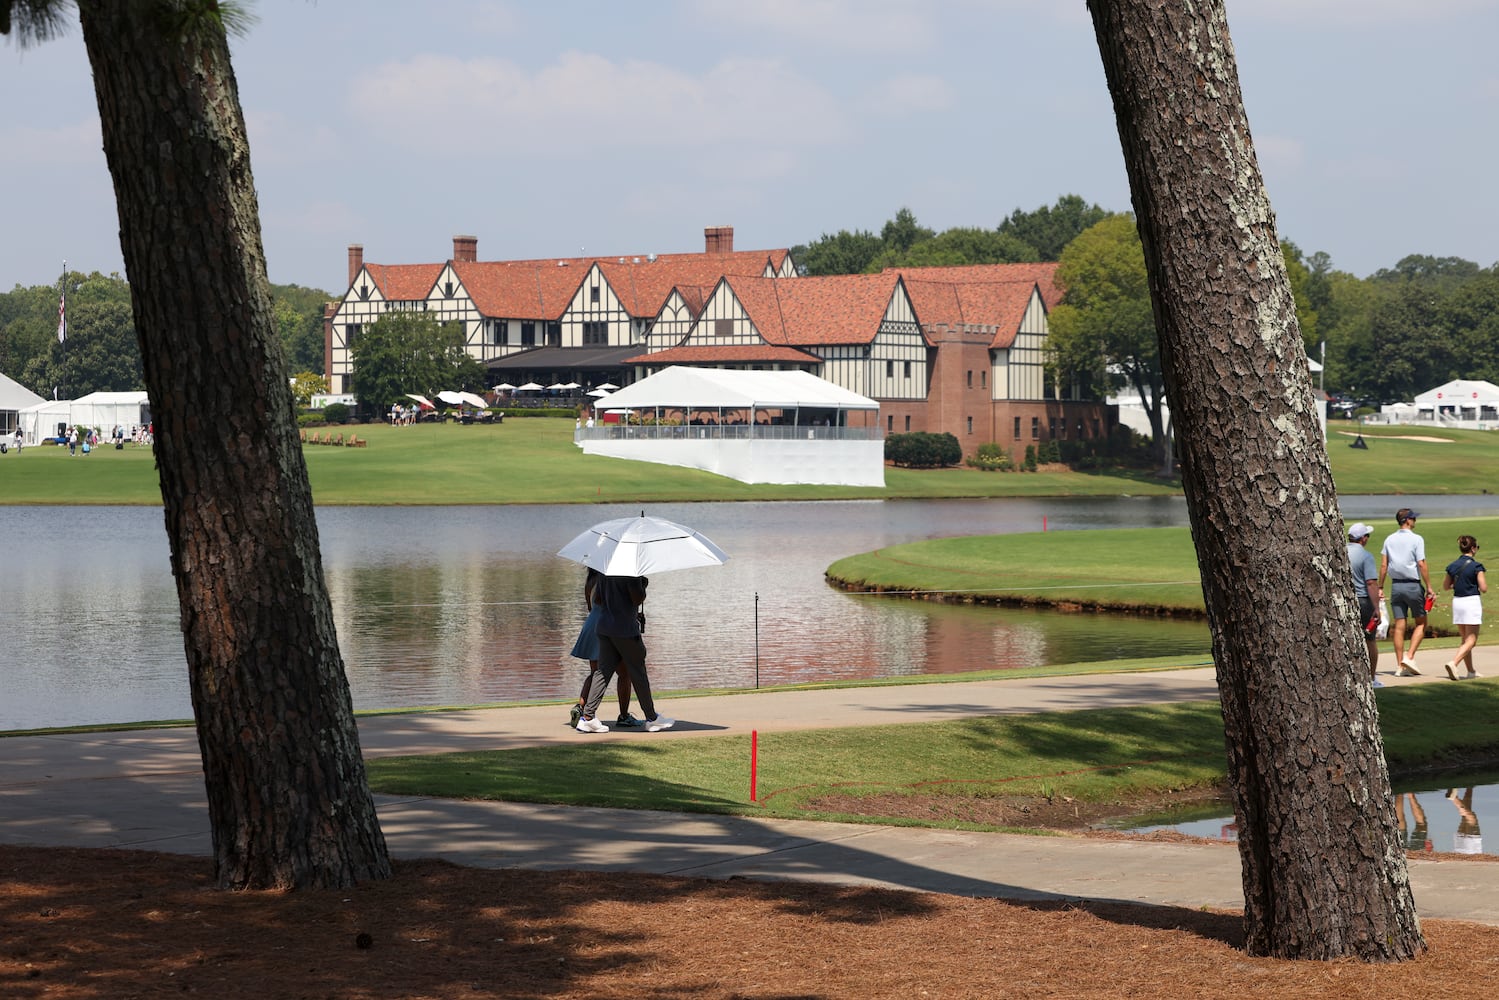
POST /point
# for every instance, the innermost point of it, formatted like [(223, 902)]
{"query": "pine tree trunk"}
[(1324, 872), (288, 798)]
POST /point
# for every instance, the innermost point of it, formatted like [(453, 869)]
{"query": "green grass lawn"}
[(521, 461), (1090, 756), (1117, 568), (535, 461)]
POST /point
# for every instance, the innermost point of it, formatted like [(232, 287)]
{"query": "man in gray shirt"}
[(1403, 561), (1366, 586)]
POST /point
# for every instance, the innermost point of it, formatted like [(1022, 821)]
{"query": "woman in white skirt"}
[(1466, 581)]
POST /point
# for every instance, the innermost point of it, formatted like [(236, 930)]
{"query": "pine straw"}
[(80, 924)]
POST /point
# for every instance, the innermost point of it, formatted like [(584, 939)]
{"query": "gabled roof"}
[(521, 289), (15, 396), (1044, 275), (644, 287), (998, 304), (404, 282), (796, 312)]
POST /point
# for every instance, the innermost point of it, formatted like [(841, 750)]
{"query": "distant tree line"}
[(101, 354)]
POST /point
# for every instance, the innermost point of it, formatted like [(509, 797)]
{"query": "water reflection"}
[(1440, 818), (468, 604)]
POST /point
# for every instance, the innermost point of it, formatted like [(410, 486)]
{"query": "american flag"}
[(62, 318)]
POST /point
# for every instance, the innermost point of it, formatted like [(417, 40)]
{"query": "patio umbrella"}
[(571, 385), (450, 397), (556, 385), (506, 386), (598, 393), (426, 403), (607, 385), (640, 546), (528, 387)]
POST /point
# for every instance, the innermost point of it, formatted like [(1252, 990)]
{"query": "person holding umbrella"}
[(587, 648), (621, 645)]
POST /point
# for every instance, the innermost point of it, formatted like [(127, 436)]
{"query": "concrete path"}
[(145, 790)]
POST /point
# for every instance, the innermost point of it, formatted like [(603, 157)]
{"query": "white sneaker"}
[(1450, 672), (1408, 668), (591, 726), (659, 723), (1376, 683)]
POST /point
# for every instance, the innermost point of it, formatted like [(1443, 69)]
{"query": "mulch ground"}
[(78, 924)]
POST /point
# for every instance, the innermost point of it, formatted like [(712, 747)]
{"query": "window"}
[(1017, 428), (595, 332), (723, 328), (528, 334), (554, 334), (908, 423), (970, 378), (908, 369), (447, 289), (593, 294), (1051, 428), (890, 424), (1035, 428), (970, 425), (983, 379), (351, 334), (890, 369)]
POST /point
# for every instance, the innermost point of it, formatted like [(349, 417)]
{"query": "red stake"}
[(754, 759)]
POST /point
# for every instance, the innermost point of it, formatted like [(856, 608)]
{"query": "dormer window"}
[(447, 290), (593, 294)]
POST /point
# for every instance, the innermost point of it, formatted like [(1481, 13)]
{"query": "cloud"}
[(590, 104), (854, 25), (912, 93), (58, 145), (1356, 13)]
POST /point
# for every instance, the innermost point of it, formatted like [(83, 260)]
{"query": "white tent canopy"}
[(1460, 394), (714, 388), (100, 410), (14, 397)]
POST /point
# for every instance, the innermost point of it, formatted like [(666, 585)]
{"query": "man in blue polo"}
[(1403, 561)]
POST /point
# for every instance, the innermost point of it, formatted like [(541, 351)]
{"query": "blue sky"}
[(613, 127)]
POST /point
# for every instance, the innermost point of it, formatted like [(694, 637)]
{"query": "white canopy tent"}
[(1461, 400), (100, 410), (14, 397), (754, 426)]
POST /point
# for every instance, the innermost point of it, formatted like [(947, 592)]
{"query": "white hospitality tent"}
[(1464, 400), (102, 411), (14, 397), (754, 426)]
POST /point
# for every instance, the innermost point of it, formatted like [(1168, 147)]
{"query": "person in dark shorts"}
[(1366, 586)]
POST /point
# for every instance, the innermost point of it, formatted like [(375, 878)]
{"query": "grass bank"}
[(870, 774), (535, 461), (1151, 570), (521, 461)]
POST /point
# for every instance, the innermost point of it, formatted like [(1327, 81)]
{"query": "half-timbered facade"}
[(561, 313)]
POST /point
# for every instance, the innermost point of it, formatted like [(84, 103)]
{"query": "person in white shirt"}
[(1403, 561)]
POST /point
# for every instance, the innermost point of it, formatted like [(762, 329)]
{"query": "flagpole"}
[(62, 320)]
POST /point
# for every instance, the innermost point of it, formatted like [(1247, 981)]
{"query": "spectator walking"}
[(621, 646), (1465, 578), (587, 648), (1366, 586), (1403, 562)]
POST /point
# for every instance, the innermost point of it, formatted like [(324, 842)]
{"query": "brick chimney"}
[(466, 248), (718, 239), (356, 260)]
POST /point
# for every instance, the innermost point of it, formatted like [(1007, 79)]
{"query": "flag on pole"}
[(62, 306)]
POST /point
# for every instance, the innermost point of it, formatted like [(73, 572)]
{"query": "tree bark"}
[(1324, 873), (288, 797)]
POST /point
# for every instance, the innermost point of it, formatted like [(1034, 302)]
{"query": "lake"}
[(459, 605)]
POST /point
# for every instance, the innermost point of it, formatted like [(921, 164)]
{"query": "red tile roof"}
[(998, 304), (1042, 274), (835, 309), (404, 282)]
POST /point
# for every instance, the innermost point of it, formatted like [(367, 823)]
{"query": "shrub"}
[(336, 413), (923, 450), (1030, 458), (990, 457), (312, 418)]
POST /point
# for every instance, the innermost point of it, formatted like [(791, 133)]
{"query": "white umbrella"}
[(505, 386), (474, 400), (571, 385), (640, 546), (607, 385), (599, 393), (421, 399), (556, 385), (528, 387), (450, 397)]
